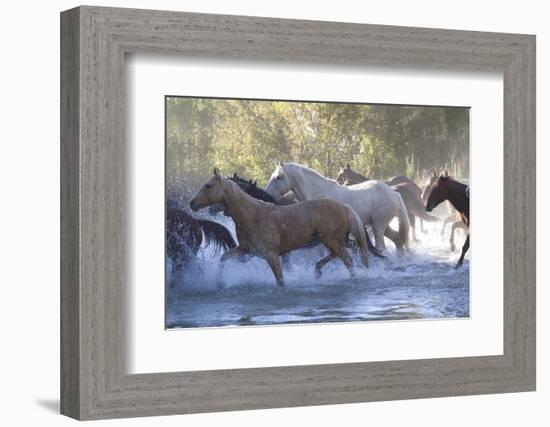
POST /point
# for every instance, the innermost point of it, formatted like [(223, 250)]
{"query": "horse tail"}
[(217, 235), (357, 229), (404, 224)]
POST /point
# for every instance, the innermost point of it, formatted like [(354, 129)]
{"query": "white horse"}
[(374, 201)]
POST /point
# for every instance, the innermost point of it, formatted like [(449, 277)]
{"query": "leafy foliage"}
[(248, 136)]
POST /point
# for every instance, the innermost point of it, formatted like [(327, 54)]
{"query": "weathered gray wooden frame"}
[(94, 41)]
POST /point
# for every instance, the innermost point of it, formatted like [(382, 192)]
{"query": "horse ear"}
[(217, 173), (446, 174), (435, 174), (234, 174), (348, 166), (254, 183)]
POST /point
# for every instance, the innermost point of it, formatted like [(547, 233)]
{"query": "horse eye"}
[(208, 185), (278, 177)]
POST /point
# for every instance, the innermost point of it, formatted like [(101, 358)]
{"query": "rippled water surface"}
[(421, 284)]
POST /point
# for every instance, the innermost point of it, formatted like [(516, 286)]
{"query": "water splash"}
[(421, 284)]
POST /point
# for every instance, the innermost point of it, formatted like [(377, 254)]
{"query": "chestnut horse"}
[(251, 188), (268, 231), (445, 188)]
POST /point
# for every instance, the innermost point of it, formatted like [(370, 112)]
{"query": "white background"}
[(154, 350), (29, 177)]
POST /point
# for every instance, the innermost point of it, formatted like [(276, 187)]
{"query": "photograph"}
[(295, 212)]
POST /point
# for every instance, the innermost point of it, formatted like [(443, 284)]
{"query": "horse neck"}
[(457, 196), (239, 204), (308, 186)]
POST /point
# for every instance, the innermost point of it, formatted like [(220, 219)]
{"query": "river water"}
[(421, 284)]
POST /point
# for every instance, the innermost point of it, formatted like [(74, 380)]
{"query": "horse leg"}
[(336, 250), (422, 229), (464, 250), (447, 220), (346, 259), (322, 262), (379, 237), (412, 220), (275, 264), (393, 235), (452, 237)]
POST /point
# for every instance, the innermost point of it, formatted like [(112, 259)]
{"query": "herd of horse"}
[(300, 208)]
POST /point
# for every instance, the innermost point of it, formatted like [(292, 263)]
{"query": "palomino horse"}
[(451, 216), (445, 188), (268, 231), (184, 236), (410, 192), (375, 202), (251, 188)]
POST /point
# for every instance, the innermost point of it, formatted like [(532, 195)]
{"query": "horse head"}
[(210, 193), (343, 174), (279, 184), (347, 176), (437, 191)]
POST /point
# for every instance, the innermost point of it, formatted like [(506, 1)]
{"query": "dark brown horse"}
[(451, 217), (445, 188), (347, 176), (184, 236), (406, 187)]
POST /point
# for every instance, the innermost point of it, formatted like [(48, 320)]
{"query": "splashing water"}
[(421, 284)]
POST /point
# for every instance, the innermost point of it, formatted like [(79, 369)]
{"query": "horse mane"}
[(234, 188), (452, 180), (229, 185), (308, 171), (250, 187)]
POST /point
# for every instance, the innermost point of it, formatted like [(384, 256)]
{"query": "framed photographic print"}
[(246, 136), (261, 213)]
